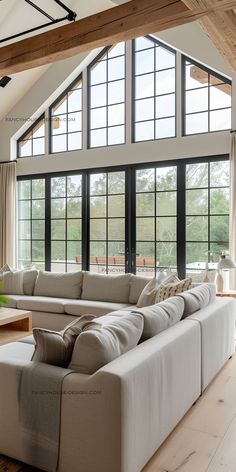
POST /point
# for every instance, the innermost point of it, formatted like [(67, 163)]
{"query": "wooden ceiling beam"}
[(127, 21)]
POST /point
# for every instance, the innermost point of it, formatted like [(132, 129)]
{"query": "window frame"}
[(41, 117)]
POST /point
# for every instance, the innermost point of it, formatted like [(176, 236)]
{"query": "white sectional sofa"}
[(123, 412)]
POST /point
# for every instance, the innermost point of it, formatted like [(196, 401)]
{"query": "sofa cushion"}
[(109, 288), (100, 344), (13, 300), (12, 282), (53, 347), (195, 299), (51, 305), (29, 279), (27, 339), (18, 351), (56, 284), (169, 290), (82, 307), (161, 316)]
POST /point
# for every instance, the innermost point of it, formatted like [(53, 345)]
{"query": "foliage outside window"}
[(32, 143), (207, 100), (154, 90)]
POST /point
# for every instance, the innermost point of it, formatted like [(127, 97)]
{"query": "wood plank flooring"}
[(205, 439)]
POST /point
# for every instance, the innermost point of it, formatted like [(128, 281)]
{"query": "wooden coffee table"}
[(14, 324)]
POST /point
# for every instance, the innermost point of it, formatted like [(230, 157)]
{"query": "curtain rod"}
[(8, 162)]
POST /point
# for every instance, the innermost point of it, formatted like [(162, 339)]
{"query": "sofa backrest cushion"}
[(196, 298), (107, 288), (29, 279), (56, 284), (161, 316), (99, 344), (12, 282), (53, 347), (137, 284)]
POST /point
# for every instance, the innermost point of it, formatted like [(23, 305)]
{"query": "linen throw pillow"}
[(5, 268), (148, 295), (53, 347), (169, 290), (12, 282), (100, 344)]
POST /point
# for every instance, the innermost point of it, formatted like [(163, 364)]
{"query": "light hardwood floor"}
[(205, 439)]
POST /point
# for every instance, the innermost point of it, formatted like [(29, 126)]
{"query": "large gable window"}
[(106, 96), (154, 90), (207, 100), (66, 119), (32, 143)]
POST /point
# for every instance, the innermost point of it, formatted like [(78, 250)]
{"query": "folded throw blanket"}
[(40, 391)]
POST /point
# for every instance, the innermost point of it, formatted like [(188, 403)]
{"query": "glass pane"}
[(220, 96), (145, 259), (197, 100), (196, 202), (166, 254), (74, 141), (59, 143), (144, 86), (165, 106), (220, 120), (143, 43), (38, 250), (25, 148), (24, 230), (166, 229), (74, 229), (197, 175), (165, 128), (58, 208), (219, 200), (217, 249), (116, 135), (73, 250), (38, 146), (116, 205), (38, 188), (145, 180), (117, 251), (166, 178), (74, 100), (58, 229), (219, 174), (145, 229), (74, 185), (58, 251), (196, 255), (97, 249), (39, 129), (98, 229), (144, 131), (60, 107), (195, 77), (24, 189), (97, 207), (219, 228), (116, 92), (144, 109), (74, 207), (164, 58), (59, 125), (165, 81), (116, 68), (197, 123), (144, 61), (117, 50), (145, 204), (98, 96), (74, 122), (98, 73), (197, 228), (38, 209), (24, 209), (116, 229), (116, 115), (58, 187), (38, 229), (166, 203), (98, 184), (116, 182), (98, 138), (24, 248), (98, 118)]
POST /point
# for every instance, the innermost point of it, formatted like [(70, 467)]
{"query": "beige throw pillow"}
[(169, 290), (98, 345), (56, 348), (148, 295), (5, 268), (12, 283)]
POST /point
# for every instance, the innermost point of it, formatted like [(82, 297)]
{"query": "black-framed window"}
[(31, 223), (154, 84), (107, 212), (106, 97), (32, 142), (171, 214), (207, 99), (66, 120)]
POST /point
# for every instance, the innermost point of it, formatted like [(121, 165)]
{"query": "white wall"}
[(190, 39)]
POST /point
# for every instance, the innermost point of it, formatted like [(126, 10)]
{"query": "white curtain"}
[(232, 225), (7, 214)]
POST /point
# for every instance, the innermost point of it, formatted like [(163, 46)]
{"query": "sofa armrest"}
[(116, 418)]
